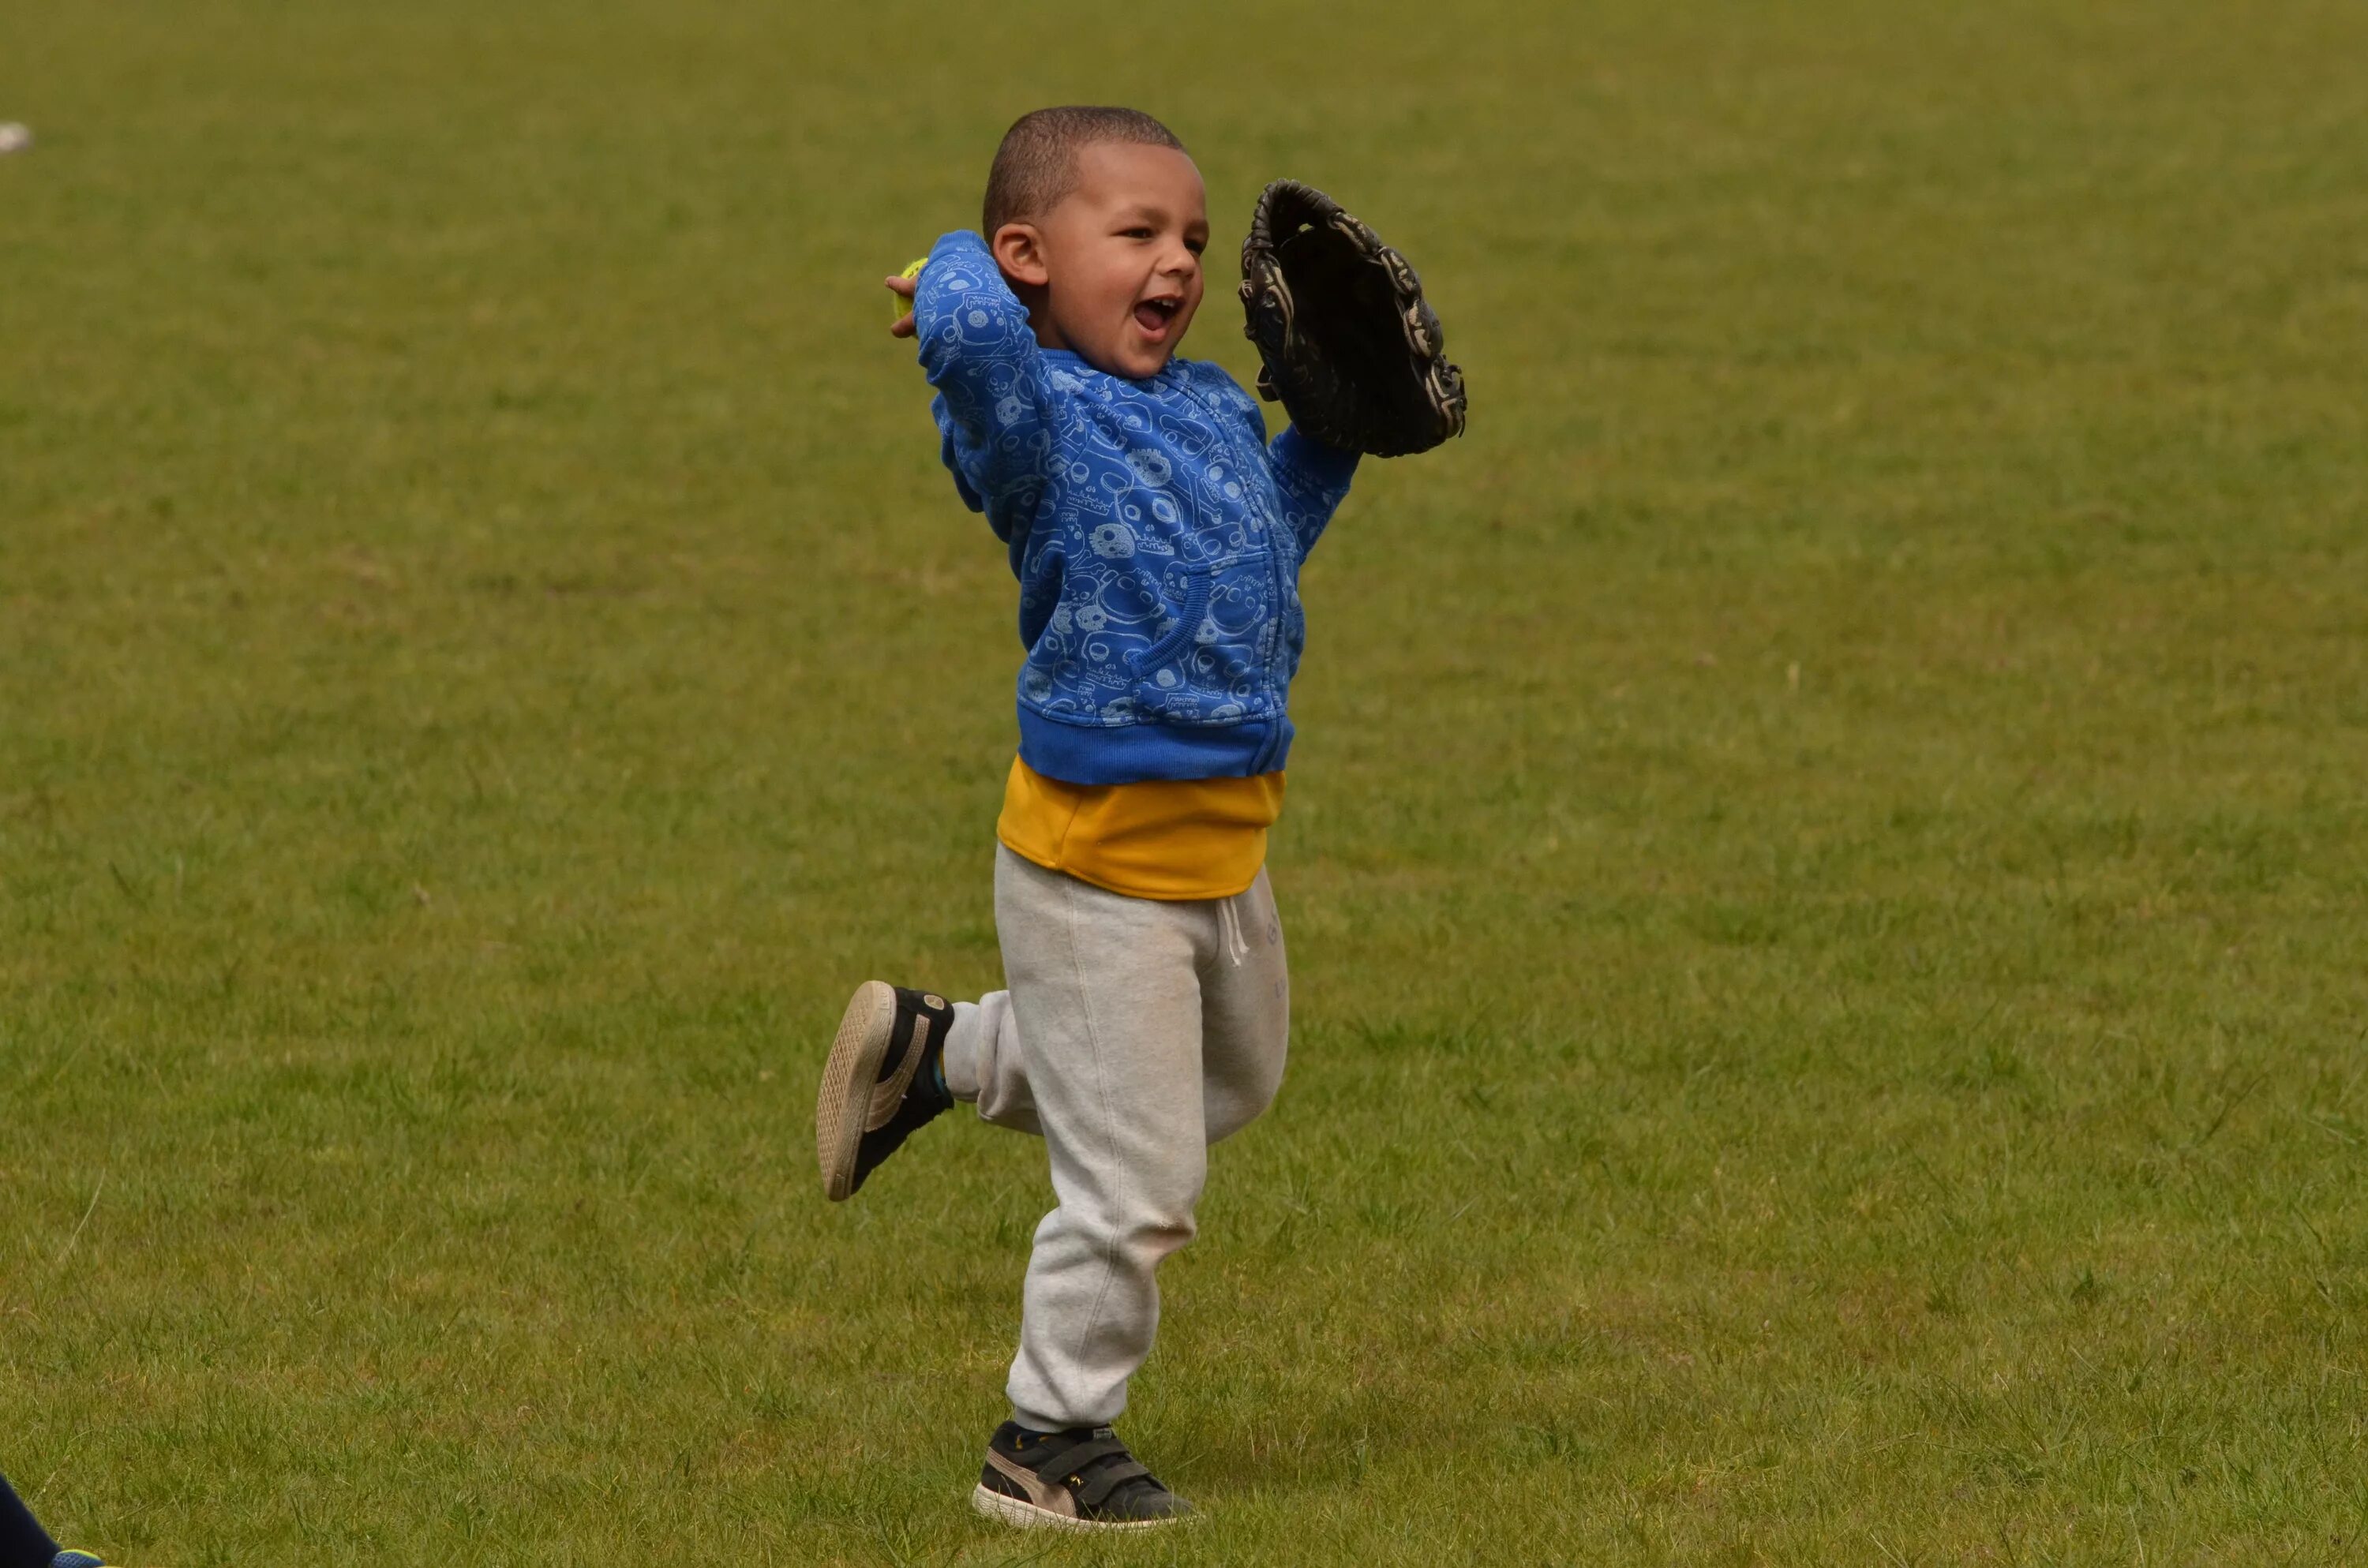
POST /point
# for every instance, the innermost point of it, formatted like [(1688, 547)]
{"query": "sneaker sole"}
[(844, 1101), (1027, 1516)]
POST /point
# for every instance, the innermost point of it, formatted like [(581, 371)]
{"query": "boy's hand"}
[(903, 286)]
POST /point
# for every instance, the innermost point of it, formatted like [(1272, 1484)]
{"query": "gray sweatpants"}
[(1134, 1034)]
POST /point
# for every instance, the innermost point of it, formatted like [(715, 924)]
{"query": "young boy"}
[(1156, 537)]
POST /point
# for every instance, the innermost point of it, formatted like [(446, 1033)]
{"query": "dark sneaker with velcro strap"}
[(1082, 1479), (882, 1082)]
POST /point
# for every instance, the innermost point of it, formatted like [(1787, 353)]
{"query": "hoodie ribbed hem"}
[(1132, 753)]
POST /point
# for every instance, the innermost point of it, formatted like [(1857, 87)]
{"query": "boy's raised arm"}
[(1313, 480), (995, 399)]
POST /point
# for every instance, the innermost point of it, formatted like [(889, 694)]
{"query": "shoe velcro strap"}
[(1107, 1479), (1073, 1459)]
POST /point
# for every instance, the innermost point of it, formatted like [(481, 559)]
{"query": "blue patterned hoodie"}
[(1156, 534)]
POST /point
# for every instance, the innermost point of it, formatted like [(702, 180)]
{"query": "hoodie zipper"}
[(1264, 761)]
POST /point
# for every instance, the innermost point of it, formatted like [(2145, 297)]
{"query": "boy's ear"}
[(1019, 250)]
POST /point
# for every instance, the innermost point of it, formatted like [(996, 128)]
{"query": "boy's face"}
[(1113, 273)]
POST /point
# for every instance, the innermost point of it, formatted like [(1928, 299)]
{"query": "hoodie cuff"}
[(1329, 467)]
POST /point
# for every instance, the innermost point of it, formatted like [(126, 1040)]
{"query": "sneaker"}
[(70, 1558), (881, 1081), (1082, 1479)]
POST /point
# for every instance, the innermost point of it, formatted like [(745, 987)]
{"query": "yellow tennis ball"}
[(897, 303)]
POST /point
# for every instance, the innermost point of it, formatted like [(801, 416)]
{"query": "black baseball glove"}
[(1350, 347)]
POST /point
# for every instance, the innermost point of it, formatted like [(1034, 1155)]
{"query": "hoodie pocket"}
[(1198, 582), (1210, 666)]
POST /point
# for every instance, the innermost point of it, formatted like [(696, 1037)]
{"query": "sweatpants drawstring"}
[(1229, 923)]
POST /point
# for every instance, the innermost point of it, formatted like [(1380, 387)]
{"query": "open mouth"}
[(1153, 315)]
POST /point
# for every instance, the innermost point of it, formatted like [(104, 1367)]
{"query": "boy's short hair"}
[(1037, 163)]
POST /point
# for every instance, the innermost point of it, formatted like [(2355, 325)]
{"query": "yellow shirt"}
[(1166, 839)]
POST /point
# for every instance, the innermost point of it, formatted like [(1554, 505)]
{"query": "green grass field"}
[(1826, 865)]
